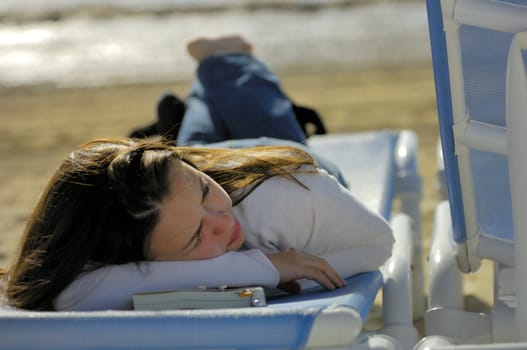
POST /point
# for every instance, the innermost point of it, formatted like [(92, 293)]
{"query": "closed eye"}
[(195, 240), (205, 189)]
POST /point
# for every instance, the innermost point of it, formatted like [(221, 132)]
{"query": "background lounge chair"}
[(479, 70)]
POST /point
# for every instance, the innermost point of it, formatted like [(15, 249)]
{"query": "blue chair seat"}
[(317, 316)]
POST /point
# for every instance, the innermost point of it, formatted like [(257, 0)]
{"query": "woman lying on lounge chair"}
[(122, 216)]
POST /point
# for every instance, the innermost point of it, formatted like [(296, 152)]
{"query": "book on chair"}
[(200, 299)]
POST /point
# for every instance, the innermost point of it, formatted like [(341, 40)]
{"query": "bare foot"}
[(201, 48)]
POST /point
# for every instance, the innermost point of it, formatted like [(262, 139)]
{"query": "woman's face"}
[(196, 219)]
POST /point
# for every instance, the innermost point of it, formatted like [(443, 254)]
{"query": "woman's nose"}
[(218, 221), (210, 210)]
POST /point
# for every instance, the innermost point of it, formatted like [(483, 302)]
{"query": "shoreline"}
[(57, 12)]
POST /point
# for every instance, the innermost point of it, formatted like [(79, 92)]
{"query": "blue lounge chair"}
[(479, 70), (379, 166)]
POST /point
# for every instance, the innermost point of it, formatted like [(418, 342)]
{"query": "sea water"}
[(99, 42)]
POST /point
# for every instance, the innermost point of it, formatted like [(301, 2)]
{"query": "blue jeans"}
[(237, 102)]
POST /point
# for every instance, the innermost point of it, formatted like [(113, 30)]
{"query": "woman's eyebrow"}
[(205, 188)]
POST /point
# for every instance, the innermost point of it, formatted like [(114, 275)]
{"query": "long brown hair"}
[(104, 200)]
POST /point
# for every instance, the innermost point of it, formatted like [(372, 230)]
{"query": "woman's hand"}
[(294, 265)]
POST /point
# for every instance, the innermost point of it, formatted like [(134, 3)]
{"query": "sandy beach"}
[(41, 124)]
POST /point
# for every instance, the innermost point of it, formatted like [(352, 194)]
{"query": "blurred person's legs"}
[(237, 97)]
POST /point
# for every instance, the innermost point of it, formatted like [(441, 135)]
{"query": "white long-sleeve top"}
[(323, 219)]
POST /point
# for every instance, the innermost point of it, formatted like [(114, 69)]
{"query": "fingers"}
[(320, 271), (294, 265)]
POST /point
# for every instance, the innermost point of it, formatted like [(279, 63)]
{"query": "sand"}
[(42, 124)]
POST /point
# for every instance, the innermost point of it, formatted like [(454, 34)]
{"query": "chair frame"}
[(446, 321)]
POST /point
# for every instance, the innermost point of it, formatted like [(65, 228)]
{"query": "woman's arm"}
[(111, 287), (325, 220)]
